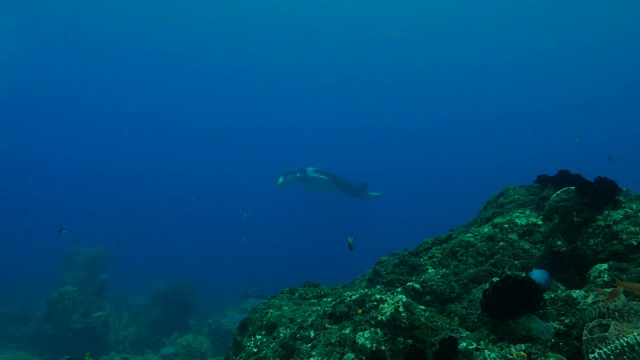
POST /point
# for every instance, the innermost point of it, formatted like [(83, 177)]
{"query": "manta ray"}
[(311, 178)]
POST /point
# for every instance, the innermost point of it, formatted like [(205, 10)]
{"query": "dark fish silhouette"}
[(350, 243), (317, 179)]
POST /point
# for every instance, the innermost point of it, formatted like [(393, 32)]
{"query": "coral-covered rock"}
[(77, 312), (193, 347), (171, 309), (410, 300), (83, 267)]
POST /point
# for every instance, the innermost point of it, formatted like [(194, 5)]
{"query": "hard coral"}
[(612, 329)]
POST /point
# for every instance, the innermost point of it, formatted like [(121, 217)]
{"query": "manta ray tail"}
[(374, 195), (368, 195)]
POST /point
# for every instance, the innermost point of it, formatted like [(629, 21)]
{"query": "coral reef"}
[(220, 331), (76, 313), (511, 297), (193, 347), (172, 307), (597, 194), (15, 327), (83, 267), (413, 304), (468, 294), (16, 355), (612, 329), (114, 356)]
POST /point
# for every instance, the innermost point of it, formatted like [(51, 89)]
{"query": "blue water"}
[(158, 129)]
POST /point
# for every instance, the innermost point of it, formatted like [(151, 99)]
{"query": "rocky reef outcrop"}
[(77, 319), (426, 303), (76, 313)]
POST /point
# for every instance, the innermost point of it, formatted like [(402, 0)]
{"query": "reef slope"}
[(425, 303)]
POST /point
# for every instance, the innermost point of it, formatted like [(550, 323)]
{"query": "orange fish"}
[(629, 286), (609, 295)]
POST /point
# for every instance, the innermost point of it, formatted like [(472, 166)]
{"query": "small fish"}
[(62, 230), (629, 286), (610, 295), (350, 243)]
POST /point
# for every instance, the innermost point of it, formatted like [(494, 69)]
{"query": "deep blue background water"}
[(158, 129)]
